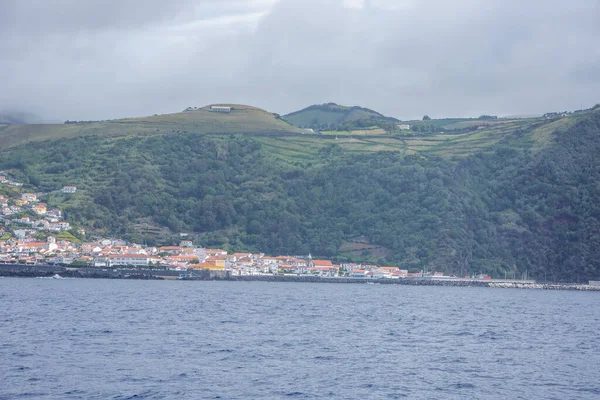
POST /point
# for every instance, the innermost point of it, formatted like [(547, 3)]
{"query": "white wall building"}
[(69, 189), (128, 259), (220, 108)]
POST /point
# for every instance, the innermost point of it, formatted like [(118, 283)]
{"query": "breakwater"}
[(419, 282)]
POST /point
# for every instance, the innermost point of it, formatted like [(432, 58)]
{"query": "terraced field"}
[(308, 146)]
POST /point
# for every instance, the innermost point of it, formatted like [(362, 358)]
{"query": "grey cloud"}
[(119, 58), (68, 16)]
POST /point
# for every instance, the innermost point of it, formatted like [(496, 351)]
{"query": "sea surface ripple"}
[(115, 339)]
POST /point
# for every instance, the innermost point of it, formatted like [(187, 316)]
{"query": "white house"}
[(69, 189), (29, 197), (404, 126), (64, 259), (59, 226), (129, 259), (359, 273)]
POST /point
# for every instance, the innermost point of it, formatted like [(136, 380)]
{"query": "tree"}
[(426, 118)]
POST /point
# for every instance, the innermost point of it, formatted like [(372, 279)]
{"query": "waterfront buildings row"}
[(32, 233), (116, 253)]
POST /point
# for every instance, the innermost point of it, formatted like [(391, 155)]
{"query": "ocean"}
[(121, 339)]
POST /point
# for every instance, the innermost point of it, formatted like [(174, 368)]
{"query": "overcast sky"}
[(100, 59)]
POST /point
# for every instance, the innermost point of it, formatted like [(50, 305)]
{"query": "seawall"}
[(32, 271)]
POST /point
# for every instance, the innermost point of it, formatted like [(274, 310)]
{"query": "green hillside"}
[(330, 115), (508, 198), (241, 119)]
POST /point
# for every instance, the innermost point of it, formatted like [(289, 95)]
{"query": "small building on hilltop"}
[(220, 109)]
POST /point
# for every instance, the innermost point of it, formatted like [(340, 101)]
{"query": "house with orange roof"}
[(321, 263), (208, 265), (384, 272), (170, 249), (215, 252), (360, 273), (39, 208), (324, 271), (184, 258), (219, 261), (401, 273), (33, 247)]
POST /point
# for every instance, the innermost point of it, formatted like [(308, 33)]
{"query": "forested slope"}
[(529, 202)]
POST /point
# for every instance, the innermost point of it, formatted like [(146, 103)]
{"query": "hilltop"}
[(240, 119), (331, 115), (499, 197)]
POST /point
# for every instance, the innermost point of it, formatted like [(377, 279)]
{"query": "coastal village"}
[(31, 233)]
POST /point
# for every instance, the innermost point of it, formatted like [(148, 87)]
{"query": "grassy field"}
[(438, 123), (373, 130), (477, 122), (241, 119), (307, 147)]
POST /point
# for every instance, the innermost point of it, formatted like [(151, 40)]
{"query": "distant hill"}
[(18, 118), (501, 197), (240, 119), (330, 115)]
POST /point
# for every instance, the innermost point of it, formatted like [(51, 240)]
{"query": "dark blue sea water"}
[(103, 339)]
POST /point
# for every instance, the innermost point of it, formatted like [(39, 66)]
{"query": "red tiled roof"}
[(322, 263)]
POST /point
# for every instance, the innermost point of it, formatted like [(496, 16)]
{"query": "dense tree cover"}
[(508, 211)]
